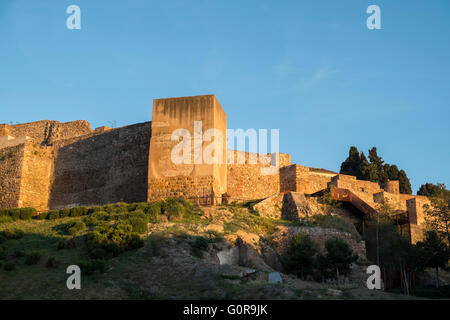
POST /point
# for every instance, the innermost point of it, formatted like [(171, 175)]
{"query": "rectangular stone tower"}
[(188, 149)]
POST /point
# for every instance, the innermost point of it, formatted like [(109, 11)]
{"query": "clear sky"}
[(309, 68)]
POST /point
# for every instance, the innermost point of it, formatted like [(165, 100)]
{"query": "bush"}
[(154, 211), (78, 211), (5, 219), (52, 262), (2, 254), (42, 216), (27, 213), (339, 256), (63, 213), (53, 215), (175, 209), (66, 244), (199, 245), (19, 254), (135, 242), (93, 265), (299, 255), (90, 220), (9, 266), (18, 213), (100, 215), (139, 225), (32, 258), (12, 234), (76, 227), (107, 241)]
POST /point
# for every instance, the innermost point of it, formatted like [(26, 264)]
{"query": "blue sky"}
[(309, 68)]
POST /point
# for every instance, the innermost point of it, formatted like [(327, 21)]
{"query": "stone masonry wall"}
[(248, 181), (37, 170), (10, 175), (47, 132), (319, 235), (100, 169), (298, 178)]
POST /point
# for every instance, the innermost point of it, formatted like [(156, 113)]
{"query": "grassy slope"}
[(163, 269)]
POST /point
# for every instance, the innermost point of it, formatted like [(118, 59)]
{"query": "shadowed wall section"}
[(100, 169)]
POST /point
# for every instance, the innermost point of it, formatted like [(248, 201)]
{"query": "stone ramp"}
[(346, 195), (295, 206)]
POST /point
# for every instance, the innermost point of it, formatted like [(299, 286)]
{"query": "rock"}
[(275, 277), (247, 272), (333, 292), (229, 256)]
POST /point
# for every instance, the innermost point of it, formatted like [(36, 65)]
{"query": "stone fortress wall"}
[(52, 165)]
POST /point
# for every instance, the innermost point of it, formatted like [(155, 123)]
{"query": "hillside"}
[(222, 252)]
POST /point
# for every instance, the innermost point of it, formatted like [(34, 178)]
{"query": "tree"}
[(437, 217), (339, 256), (436, 252), (394, 252), (351, 165), (404, 184), (299, 255), (377, 163), (374, 170), (434, 191)]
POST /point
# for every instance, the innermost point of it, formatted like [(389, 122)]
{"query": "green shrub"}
[(298, 258), (42, 216), (135, 242), (52, 262), (339, 256), (2, 254), (139, 225), (32, 258), (76, 227), (53, 215), (90, 220), (5, 219), (27, 213), (63, 213), (108, 241), (199, 245), (154, 211), (93, 265), (100, 215), (9, 266), (78, 211), (19, 254), (12, 234), (173, 209), (14, 214), (66, 244)]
